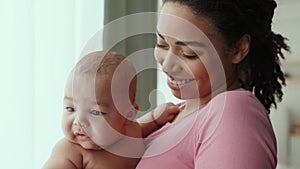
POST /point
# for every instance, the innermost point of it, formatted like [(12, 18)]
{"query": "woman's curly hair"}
[(260, 71)]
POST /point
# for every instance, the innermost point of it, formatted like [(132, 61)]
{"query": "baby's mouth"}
[(81, 135)]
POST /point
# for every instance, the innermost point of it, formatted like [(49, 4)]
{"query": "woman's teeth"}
[(180, 82)]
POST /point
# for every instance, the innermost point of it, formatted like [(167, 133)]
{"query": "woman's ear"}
[(241, 48)]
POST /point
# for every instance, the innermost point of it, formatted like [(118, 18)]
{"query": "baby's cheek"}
[(67, 128)]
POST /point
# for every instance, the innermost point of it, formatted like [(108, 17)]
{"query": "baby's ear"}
[(136, 106), (241, 49), (132, 114)]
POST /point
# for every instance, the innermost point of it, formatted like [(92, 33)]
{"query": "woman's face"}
[(191, 53)]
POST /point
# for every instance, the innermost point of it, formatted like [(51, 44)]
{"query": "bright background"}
[(40, 43)]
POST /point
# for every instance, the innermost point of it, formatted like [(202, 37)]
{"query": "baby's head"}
[(99, 100)]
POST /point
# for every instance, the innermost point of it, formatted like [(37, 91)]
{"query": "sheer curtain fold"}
[(40, 43), (134, 44)]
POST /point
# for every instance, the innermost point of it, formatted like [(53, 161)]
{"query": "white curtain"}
[(40, 42)]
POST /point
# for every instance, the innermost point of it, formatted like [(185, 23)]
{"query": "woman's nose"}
[(170, 63)]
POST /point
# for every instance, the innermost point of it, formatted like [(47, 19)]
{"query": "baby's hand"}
[(164, 113)]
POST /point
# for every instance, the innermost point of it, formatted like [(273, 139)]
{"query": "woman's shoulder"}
[(237, 104), (231, 109), (239, 99), (239, 93), (237, 122)]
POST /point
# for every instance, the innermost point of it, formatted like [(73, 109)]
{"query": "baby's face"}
[(90, 117)]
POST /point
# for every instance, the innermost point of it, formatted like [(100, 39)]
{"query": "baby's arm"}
[(63, 156), (158, 117)]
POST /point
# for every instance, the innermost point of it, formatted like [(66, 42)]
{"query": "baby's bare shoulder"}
[(65, 154), (66, 147), (77, 156), (107, 160)]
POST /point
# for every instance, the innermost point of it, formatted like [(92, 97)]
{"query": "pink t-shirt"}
[(232, 131)]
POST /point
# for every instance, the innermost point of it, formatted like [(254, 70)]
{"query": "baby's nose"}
[(80, 121)]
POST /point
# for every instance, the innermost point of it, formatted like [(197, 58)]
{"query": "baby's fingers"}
[(173, 109)]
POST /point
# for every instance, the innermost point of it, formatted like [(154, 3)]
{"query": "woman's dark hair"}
[(260, 71)]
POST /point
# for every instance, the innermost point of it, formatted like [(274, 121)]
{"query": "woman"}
[(222, 58)]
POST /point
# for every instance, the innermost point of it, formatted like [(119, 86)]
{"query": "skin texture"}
[(99, 116), (205, 66), (223, 125), (97, 132), (236, 21), (104, 120)]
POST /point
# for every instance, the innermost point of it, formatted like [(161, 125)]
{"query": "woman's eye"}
[(190, 56), (96, 113), (194, 56), (70, 109), (161, 45)]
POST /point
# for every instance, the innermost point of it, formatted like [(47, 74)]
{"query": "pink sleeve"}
[(243, 139)]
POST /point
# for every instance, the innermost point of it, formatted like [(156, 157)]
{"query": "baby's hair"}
[(110, 62), (101, 62), (260, 71), (112, 65)]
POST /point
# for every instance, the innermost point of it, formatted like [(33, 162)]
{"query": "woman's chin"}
[(185, 94), (184, 91)]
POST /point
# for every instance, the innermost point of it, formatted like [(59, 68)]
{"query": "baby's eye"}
[(96, 113), (70, 109)]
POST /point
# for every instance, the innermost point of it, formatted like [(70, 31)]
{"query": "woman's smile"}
[(177, 84)]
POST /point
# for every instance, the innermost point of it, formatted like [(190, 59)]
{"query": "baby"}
[(99, 116)]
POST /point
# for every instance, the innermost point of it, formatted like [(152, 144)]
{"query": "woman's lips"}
[(178, 84)]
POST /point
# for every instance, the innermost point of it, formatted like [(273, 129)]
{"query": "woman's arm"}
[(158, 117)]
